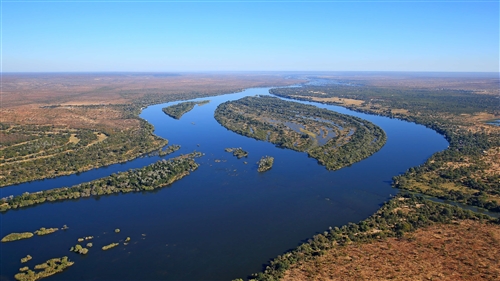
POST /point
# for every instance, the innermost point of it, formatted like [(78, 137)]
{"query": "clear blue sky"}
[(250, 36)]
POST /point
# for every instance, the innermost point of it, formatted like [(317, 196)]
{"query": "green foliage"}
[(45, 231), (237, 151), (177, 110), (17, 236), (398, 216), (107, 247), (26, 259), (148, 178), (265, 163)]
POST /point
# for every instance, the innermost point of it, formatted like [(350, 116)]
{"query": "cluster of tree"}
[(26, 259), (439, 110), (400, 215), (275, 120), (107, 247), (46, 269), (151, 177), (265, 163), (177, 110), (79, 249), (119, 146), (237, 151), (45, 231)]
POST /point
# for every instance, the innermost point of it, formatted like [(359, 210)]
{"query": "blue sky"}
[(160, 36)]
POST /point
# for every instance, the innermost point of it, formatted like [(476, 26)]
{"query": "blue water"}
[(223, 221)]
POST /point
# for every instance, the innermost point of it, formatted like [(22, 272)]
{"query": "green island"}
[(157, 175), (47, 269), (26, 259), (107, 247), (177, 110), (265, 163), (335, 140), (17, 236), (399, 217), (45, 231), (237, 151), (79, 249), (467, 171)]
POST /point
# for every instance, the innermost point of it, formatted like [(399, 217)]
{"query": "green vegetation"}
[(107, 247), (265, 163), (47, 269), (47, 152), (26, 259), (148, 178), (176, 111), (45, 231), (238, 152), (79, 249), (17, 236), (335, 140), (400, 215), (466, 171)]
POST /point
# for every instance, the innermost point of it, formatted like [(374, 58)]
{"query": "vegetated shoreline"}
[(399, 217), (271, 119), (177, 110), (465, 140), (123, 182)]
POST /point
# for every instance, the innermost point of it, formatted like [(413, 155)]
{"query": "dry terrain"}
[(467, 250)]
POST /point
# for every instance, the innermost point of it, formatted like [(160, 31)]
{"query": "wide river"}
[(223, 221)]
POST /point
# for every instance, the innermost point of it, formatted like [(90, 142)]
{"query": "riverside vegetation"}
[(157, 175), (177, 110), (335, 140), (237, 151), (468, 171), (398, 217)]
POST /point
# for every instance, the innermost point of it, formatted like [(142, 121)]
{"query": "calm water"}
[(223, 221)]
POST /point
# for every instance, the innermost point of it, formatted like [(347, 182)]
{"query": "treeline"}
[(400, 215), (441, 111), (157, 175), (299, 127), (177, 110)]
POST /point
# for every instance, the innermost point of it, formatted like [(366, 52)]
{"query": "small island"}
[(265, 163), (335, 140), (107, 247), (238, 152), (45, 231), (17, 236), (177, 110)]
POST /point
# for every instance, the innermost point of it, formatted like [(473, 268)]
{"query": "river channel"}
[(223, 221)]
